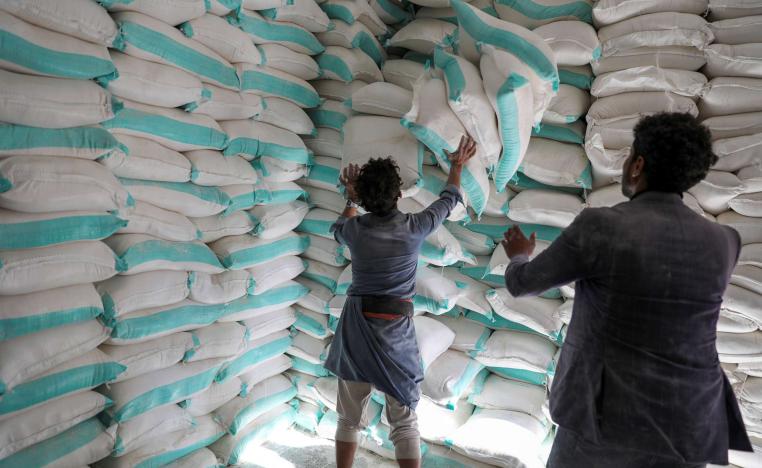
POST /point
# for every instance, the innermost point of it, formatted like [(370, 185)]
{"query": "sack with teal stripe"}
[(224, 339), (222, 7), (275, 299), (434, 293), (30, 313), (478, 29), (168, 12), (150, 39), (156, 322), (285, 192), (326, 199), (312, 323), (513, 100), (81, 445), (185, 198), (330, 114), (324, 250), (574, 43), (342, 64), (252, 139), (557, 164), (422, 35), (534, 13), (269, 275), (266, 324), (568, 106), (351, 11), (326, 275), (324, 173), (77, 375), (449, 378), (265, 81), (239, 252), (566, 133), (354, 36), (539, 314), (245, 196), (139, 253), (435, 125), (33, 50), (466, 97), (141, 394), (474, 242), (245, 445), (518, 350), (257, 351), (212, 398), (285, 114), (266, 31), (173, 128), (286, 60), (390, 12), (580, 77), (29, 230), (277, 219), (434, 182), (318, 222), (261, 398), (76, 142), (143, 429), (180, 448), (305, 13)]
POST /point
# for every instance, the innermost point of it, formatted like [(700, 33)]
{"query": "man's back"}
[(640, 366)]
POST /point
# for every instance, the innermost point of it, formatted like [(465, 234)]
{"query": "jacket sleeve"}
[(428, 220), (575, 255), (340, 231)]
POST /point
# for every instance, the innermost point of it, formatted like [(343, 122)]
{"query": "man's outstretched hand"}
[(516, 243), (348, 179), (466, 150)]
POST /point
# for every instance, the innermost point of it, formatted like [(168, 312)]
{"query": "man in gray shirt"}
[(375, 344), (639, 382)]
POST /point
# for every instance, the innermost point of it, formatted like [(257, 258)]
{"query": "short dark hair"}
[(378, 185), (677, 151)]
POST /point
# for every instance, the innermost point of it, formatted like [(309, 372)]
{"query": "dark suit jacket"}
[(639, 366)]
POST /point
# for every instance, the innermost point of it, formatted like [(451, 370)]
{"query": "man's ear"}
[(637, 166)]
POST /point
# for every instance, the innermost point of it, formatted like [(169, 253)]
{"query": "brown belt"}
[(386, 307)]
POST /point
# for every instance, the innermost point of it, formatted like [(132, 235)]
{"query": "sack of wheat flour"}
[(574, 43), (139, 253), (76, 142), (716, 190), (339, 63), (122, 295), (143, 429), (650, 78), (212, 398), (245, 444), (149, 356), (173, 128), (536, 13), (257, 351), (266, 276), (239, 252), (263, 30), (151, 39), (277, 298), (607, 12), (231, 43), (354, 36), (266, 81), (330, 114), (351, 11), (282, 58), (225, 339), (34, 50), (148, 160), (81, 445), (675, 57), (261, 398), (251, 139)]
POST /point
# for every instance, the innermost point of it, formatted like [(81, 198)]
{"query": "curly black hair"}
[(677, 151), (378, 185)]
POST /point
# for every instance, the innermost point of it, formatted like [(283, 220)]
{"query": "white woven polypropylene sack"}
[(650, 78), (251, 139), (351, 36), (122, 295), (433, 339), (271, 274), (728, 9), (655, 30), (339, 63), (305, 13), (437, 423), (220, 288), (546, 207), (216, 227), (39, 101), (607, 12), (189, 199), (264, 370), (218, 340), (151, 39), (423, 35), (285, 114), (403, 73), (503, 394), (569, 105), (676, 57), (171, 12), (449, 377), (338, 90), (574, 43), (157, 222), (556, 164), (139, 253), (212, 168), (748, 227), (148, 356), (743, 30), (473, 292), (716, 190), (148, 160), (743, 60), (264, 30), (149, 426), (381, 98), (469, 334), (751, 176), (153, 83), (77, 18), (224, 104), (747, 205), (31, 270), (354, 10), (518, 350), (536, 313), (231, 43), (286, 60), (731, 95), (212, 398), (367, 137)]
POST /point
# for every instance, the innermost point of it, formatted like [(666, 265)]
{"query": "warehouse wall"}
[(169, 172)]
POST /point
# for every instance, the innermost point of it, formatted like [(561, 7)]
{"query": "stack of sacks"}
[(57, 204), (732, 191), (650, 52)]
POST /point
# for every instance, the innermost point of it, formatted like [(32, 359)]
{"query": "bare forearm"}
[(454, 177)]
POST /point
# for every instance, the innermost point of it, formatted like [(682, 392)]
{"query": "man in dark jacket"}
[(639, 382)]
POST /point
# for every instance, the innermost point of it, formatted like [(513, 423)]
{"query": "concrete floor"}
[(296, 449)]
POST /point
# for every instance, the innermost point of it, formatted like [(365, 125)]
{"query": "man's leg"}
[(404, 433), (351, 401)]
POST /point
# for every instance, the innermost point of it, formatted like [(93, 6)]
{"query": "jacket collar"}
[(658, 197), (371, 219)]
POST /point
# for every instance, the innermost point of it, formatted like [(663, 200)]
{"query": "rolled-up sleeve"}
[(435, 214)]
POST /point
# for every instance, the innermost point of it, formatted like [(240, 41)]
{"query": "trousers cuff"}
[(408, 449)]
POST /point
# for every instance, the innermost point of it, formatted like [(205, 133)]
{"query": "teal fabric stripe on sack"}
[(523, 181), (325, 118), (558, 133), (252, 357), (182, 56), (325, 174), (278, 32), (308, 324), (17, 50), (456, 81), (165, 127), (367, 44), (208, 194), (152, 250), (166, 321), (506, 40), (30, 234), (257, 80), (248, 200), (286, 196), (14, 327), (508, 108), (402, 16), (245, 258), (522, 375), (257, 148), (317, 227), (335, 65), (581, 10), (166, 394), (46, 453), (25, 139), (59, 384), (306, 367), (260, 407), (279, 295), (578, 80), (338, 12)]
